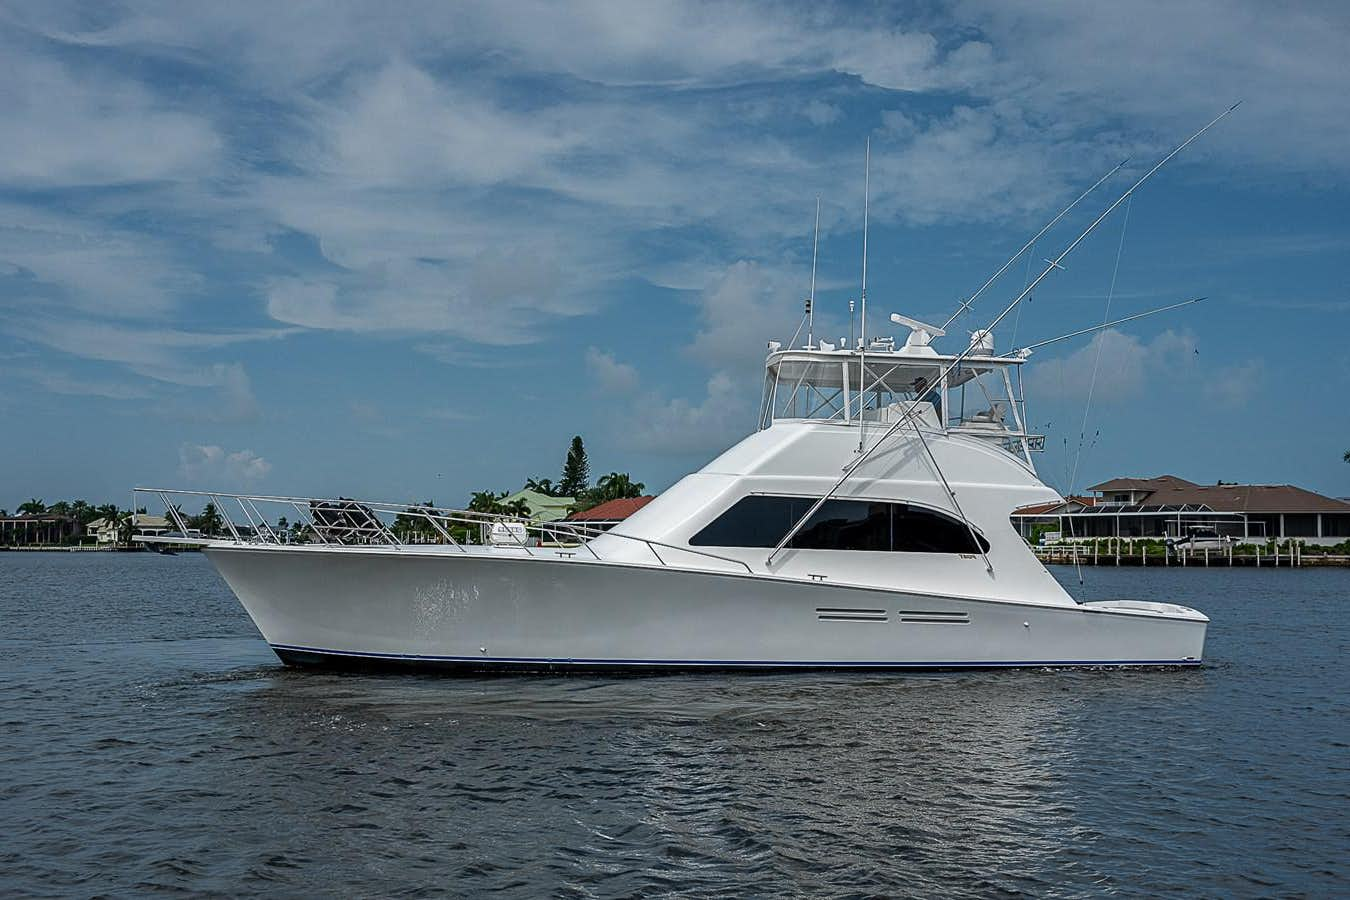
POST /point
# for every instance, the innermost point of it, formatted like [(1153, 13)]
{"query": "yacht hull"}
[(364, 608)]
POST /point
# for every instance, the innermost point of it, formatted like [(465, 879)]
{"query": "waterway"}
[(153, 743)]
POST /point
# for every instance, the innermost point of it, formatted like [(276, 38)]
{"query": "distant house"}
[(37, 528), (1168, 506), (610, 513), (103, 531), (542, 507), (150, 526)]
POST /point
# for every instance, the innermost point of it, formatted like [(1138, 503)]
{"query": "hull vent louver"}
[(850, 614), (933, 617)]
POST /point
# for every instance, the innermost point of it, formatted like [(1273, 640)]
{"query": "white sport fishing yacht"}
[(864, 524), (763, 559)]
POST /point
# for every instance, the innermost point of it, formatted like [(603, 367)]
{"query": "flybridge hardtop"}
[(864, 524)]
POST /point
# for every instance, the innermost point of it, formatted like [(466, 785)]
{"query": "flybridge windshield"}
[(848, 387), (975, 396), (843, 388)]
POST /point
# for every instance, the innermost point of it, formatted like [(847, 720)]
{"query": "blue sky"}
[(325, 248)]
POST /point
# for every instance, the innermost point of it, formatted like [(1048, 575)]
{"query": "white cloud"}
[(818, 112), (404, 128), (94, 127), (94, 267), (740, 310), (58, 382), (611, 375), (678, 426), (210, 464), (1233, 387), (1128, 368), (470, 173), (167, 356)]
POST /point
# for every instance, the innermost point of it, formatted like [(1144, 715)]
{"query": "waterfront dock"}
[(1144, 554)]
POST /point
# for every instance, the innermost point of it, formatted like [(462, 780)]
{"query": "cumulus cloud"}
[(739, 309), (611, 375), (1128, 367), (202, 464), (678, 426)]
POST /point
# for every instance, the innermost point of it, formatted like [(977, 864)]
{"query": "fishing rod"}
[(1029, 244), (1052, 265), (1024, 352)]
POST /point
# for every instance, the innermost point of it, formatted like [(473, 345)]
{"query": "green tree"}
[(491, 503), (33, 506), (126, 527), (209, 522), (614, 486), (576, 473), (413, 522), (83, 512), (543, 486)]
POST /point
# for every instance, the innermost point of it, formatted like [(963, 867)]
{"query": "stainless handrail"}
[(261, 532)]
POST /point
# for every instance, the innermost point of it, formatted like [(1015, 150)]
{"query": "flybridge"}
[(974, 395), (910, 405)]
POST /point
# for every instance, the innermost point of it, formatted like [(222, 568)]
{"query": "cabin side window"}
[(761, 521)]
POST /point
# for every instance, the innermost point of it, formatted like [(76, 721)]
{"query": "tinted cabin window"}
[(838, 525)]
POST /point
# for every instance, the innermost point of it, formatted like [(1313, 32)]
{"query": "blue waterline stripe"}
[(412, 657)]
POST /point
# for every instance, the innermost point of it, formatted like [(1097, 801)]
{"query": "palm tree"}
[(543, 486), (618, 486), (83, 512), (33, 507), (209, 522), (614, 486), (125, 523), (487, 502)]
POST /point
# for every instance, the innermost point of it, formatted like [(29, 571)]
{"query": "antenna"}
[(867, 170), (811, 300)]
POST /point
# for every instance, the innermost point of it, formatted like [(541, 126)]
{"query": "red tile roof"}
[(611, 510)]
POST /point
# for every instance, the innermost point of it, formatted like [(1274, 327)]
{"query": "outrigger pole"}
[(1024, 352), (1052, 265), (1031, 243)]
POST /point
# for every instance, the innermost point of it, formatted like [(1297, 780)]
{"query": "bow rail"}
[(253, 519)]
